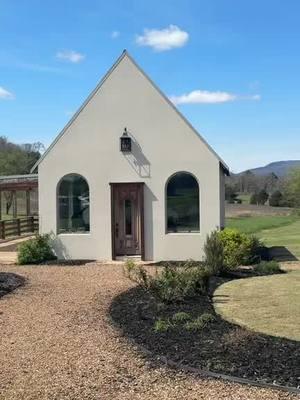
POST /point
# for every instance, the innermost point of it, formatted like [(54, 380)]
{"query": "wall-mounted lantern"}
[(125, 142)]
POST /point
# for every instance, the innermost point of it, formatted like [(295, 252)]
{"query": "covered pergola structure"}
[(11, 187)]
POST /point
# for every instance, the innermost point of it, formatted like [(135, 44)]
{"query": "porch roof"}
[(18, 182)]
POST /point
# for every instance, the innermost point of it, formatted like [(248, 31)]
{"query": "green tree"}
[(230, 194), (254, 198), (18, 159), (276, 199), (292, 191), (271, 182), (262, 197)]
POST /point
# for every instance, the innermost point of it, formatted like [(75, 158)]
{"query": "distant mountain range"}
[(280, 168)]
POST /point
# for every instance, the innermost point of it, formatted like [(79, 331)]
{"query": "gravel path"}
[(56, 343)]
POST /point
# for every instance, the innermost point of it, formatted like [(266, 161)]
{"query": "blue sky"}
[(231, 66)]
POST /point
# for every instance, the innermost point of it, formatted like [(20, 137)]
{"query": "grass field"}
[(245, 198), (258, 223), (269, 304), (282, 231), (286, 236)]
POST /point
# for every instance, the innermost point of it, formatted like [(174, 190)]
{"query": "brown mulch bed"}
[(57, 343), (221, 347), (9, 282)]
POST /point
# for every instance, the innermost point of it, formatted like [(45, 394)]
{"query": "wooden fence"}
[(18, 226)]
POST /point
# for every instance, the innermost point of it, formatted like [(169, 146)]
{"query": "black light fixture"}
[(125, 142)]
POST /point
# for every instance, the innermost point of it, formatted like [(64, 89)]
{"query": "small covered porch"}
[(18, 205)]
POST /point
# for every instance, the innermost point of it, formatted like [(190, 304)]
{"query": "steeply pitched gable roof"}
[(106, 76)]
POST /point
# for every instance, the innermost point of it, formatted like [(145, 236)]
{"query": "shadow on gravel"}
[(222, 347), (9, 282)]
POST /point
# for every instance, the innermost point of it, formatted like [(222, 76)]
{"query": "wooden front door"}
[(127, 219)]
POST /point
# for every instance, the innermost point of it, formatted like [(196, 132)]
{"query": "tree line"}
[(278, 191), (18, 159)]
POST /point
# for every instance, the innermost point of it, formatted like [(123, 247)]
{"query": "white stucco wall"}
[(165, 145)]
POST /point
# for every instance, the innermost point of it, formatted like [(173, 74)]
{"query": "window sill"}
[(74, 234), (183, 233)]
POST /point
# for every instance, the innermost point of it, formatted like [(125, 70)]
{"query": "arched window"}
[(182, 203), (73, 204)]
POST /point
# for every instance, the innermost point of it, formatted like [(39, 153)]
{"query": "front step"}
[(125, 258)]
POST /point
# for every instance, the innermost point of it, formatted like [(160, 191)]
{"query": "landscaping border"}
[(199, 371)]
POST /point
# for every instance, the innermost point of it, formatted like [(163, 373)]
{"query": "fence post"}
[(18, 227), (14, 204), (32, 223), (27, 203), (2, 229)]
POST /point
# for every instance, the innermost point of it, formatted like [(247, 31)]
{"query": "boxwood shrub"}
[(238, 248), (36, 250)]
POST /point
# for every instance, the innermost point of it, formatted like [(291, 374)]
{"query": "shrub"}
[(172, 283), (199, 323), (262, 197), (259, 198), (276, 199), (267, 268), (214, 253), (254, 199), (36, 250), (176, 283), (138, 274), (162, 325), (238, 248), (181, 317)]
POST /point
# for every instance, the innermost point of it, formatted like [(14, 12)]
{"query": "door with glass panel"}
[(127, 219)]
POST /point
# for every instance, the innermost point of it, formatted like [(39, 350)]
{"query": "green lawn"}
[(286, 236), (245, 198), (259, 223), (269, 304), (280, 231)]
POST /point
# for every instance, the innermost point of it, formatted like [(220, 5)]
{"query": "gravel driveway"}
[(57, 343)]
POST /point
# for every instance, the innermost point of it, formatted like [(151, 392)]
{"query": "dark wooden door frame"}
[(112, 202)]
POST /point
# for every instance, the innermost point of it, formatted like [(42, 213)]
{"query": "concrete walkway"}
[(8, 249)]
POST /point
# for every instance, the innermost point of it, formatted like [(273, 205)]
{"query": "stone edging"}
[(199, 371)]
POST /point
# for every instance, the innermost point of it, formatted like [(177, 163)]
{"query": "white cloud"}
[(207, 97), (70, 55), (5, 94), (115, 34), (164, 39)]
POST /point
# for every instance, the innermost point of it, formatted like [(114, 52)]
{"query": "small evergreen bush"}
[(181, 317), (36, 250), (214, 253), (267, 268), (200, 322), (162, 325), (238, 248)]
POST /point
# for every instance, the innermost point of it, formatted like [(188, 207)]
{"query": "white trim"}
[(88, 233), (193, 233), (125, 53)]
